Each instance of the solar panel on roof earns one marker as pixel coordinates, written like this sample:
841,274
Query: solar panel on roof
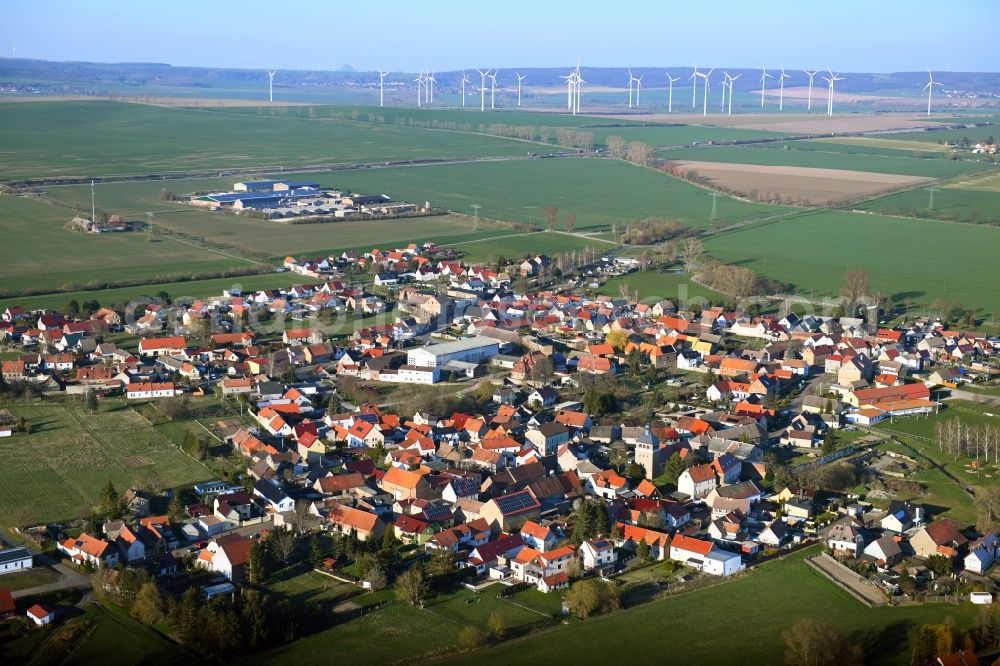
516,502
14,554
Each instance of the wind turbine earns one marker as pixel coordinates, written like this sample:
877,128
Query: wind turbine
694,89
519,79
631,80
725,85
704,110
381,78
930,89
13,50
270,84
809,105
493,87
731,79
569,90
578,86
482,88
638,87
670,95
430,86
781,88
763,78
465,80
420,87
829,96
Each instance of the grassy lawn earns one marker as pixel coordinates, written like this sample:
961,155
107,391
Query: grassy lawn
812,251
394,633
99,636
22,580
58,470
302,586
654,286
468,607
683,627
37,252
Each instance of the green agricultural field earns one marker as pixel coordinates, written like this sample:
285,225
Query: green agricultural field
518,245
973,134
268,237
908,260
684,627
57,471
75,138
601,192
37,252
986,183
961,201
189,289
815,154
893,144
654,286
473,120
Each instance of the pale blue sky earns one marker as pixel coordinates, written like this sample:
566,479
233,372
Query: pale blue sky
848,35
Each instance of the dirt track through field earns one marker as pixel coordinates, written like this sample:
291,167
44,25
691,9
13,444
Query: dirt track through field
802,184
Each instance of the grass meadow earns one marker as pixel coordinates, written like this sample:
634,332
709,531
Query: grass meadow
654,286
519,245
908,260
788,589
61,466
38,252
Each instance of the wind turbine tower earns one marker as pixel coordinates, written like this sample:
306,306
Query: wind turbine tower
670,95
381,78
694,88
482,89
431,81
704,109
638,87
781,88
829,96
493,87
631,80
725,86
465,80
520,78
764,76
93,205
731,79
809,104
930,89
420,88
270,84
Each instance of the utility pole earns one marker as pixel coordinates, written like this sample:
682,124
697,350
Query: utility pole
475,220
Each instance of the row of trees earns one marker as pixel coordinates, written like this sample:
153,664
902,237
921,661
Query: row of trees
970,441
636,152
652,230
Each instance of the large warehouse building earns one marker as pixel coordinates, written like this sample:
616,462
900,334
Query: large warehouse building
470,350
